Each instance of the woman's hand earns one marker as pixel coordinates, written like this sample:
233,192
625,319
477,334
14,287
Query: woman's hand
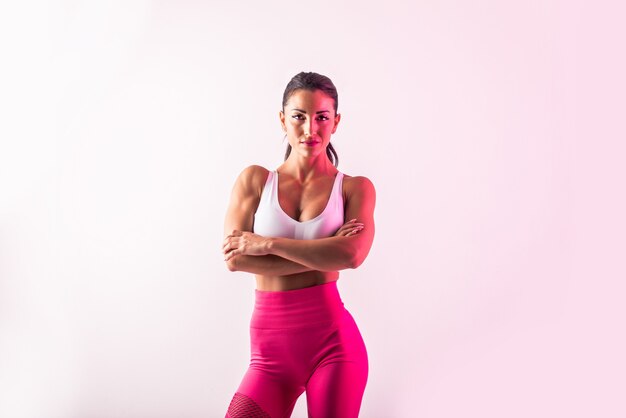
349,228
244,242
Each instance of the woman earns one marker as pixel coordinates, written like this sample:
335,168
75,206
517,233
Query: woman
289,228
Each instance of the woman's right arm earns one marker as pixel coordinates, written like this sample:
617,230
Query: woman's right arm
244,201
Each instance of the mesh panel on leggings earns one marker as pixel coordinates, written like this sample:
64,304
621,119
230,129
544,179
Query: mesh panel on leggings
243,407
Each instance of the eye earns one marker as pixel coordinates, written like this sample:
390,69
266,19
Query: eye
298,116
322,117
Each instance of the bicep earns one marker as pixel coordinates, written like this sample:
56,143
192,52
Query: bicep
360,206
242,205
238,217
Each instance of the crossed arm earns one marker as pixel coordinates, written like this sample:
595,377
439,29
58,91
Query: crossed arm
246,251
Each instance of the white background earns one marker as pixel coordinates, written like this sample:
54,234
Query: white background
493,132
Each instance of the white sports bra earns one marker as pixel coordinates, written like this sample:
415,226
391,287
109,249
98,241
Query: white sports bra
271,221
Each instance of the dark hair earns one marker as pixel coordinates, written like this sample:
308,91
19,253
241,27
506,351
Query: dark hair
312,82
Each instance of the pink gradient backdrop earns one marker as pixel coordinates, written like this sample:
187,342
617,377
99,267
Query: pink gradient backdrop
493,131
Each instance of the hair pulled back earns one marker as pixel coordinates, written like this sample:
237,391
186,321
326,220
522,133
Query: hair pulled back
313,81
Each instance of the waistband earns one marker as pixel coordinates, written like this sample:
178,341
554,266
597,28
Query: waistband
297,308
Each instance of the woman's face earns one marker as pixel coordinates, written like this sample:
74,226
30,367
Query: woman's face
309,120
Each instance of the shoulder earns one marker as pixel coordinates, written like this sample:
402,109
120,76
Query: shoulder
251,180
359,196
358,185
253,175
253,171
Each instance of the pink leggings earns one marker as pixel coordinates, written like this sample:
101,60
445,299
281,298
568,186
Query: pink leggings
302,340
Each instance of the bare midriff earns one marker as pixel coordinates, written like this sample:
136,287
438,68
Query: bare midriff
295,281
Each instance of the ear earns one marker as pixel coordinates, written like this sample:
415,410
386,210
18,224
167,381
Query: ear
337,119
281,115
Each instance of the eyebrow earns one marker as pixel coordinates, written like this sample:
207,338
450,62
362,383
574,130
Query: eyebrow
320,111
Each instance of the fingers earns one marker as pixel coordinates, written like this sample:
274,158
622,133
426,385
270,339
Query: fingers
352,223
349,228
230,255
354,231
236,243
230,243
229,247
235,233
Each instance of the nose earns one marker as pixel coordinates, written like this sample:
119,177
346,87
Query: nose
309,128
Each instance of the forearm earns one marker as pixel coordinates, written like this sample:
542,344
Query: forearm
266,265
323,254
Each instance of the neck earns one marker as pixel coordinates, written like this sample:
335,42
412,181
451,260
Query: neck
304,169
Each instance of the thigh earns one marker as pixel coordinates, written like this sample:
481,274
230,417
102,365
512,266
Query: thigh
336,387
262,396
275,378
336,390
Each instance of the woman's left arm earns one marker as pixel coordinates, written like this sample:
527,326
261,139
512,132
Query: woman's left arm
323,254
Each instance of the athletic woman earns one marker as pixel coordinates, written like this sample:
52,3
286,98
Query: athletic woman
294,228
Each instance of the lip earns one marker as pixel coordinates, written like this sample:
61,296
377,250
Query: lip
310,143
